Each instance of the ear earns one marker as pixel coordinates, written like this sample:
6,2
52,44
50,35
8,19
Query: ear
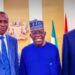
44,33
30,35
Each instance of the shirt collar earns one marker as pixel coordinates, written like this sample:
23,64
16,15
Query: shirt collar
3,35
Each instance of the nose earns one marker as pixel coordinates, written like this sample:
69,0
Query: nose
2,24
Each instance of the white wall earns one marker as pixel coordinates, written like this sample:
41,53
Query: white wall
69,9
1,5
35,9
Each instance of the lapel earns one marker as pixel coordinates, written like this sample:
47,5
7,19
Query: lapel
9,48
1,61
11,54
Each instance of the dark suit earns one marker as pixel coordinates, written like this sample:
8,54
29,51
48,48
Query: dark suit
12,56
68,54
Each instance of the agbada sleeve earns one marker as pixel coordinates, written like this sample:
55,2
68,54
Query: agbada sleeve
22,68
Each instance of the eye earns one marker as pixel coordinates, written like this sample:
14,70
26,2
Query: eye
34,33
0,21
41,32
5,21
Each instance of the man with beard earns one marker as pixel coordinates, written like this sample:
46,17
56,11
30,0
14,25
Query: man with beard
40,57
8,49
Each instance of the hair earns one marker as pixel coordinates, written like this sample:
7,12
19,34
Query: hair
3,13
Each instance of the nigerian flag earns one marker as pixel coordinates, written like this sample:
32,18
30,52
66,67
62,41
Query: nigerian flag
53,35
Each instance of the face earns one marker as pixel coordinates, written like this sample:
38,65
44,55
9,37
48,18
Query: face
38,37
3,23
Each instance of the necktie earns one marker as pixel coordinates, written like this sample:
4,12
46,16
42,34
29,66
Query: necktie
5,57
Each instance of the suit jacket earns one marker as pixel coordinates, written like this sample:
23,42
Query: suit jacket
12,56
68,54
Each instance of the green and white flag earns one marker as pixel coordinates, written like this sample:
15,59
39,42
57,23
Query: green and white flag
53,35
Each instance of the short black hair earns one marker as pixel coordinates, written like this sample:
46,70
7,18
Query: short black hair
3,13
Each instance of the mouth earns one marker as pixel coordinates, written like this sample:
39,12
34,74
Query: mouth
2,30
38,39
